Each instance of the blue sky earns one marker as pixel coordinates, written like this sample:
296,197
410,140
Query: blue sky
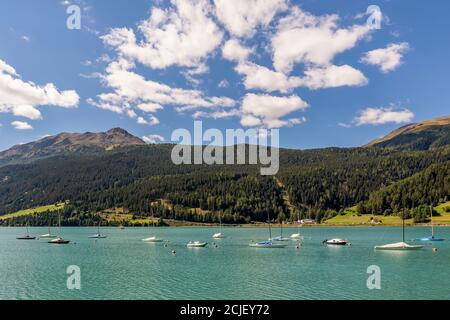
312,68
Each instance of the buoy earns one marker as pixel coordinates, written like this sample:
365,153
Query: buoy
435,249
174,252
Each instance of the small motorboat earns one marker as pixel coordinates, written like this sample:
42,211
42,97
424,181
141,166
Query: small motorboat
335,242
121,227
59,240
267,244
218,235
400,246
196,244
153,239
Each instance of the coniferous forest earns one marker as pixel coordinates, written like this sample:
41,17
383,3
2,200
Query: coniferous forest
142,180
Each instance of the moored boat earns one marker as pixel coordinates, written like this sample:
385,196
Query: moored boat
267,244
335,242
196,244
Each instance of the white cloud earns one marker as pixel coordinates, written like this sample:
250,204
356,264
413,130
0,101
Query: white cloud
234,51
262,78
333,76
242,18
182,35
304,38
133,91
23,98
270,109
220,114
149,107
378,116
387,59
153,138
21,125
344,125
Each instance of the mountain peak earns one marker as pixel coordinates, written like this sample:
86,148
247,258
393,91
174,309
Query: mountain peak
71,142
118,130
423,135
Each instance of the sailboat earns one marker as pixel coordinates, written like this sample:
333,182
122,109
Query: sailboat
98,235
219,235
48,235
432,238
153,239
280,237
59,239
400,246
27,236
269,243
297,236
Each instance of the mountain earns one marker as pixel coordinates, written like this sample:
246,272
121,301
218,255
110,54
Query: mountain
142,182
69,143
424,135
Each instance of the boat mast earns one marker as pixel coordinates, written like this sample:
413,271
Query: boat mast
270,229
432,226
403,219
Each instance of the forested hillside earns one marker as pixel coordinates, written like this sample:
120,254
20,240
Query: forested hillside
142,181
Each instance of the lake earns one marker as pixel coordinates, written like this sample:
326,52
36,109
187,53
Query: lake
124,267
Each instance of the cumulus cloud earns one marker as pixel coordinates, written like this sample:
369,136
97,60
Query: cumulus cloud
233,50
242,18
23,98
263,78
378,116
153,138
220,114
182,35
268,110
133,91
21,125
387,59
304,38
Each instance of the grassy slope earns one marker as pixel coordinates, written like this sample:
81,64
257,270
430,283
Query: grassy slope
38,210
351,218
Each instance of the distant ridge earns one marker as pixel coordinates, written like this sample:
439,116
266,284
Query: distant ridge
70,142
417,136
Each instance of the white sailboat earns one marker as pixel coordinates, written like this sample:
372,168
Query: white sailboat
98,235
59,239
48,235
297,236
153,239
219,235
399,246
268,244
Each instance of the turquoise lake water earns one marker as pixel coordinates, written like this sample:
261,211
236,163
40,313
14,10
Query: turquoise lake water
124,267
